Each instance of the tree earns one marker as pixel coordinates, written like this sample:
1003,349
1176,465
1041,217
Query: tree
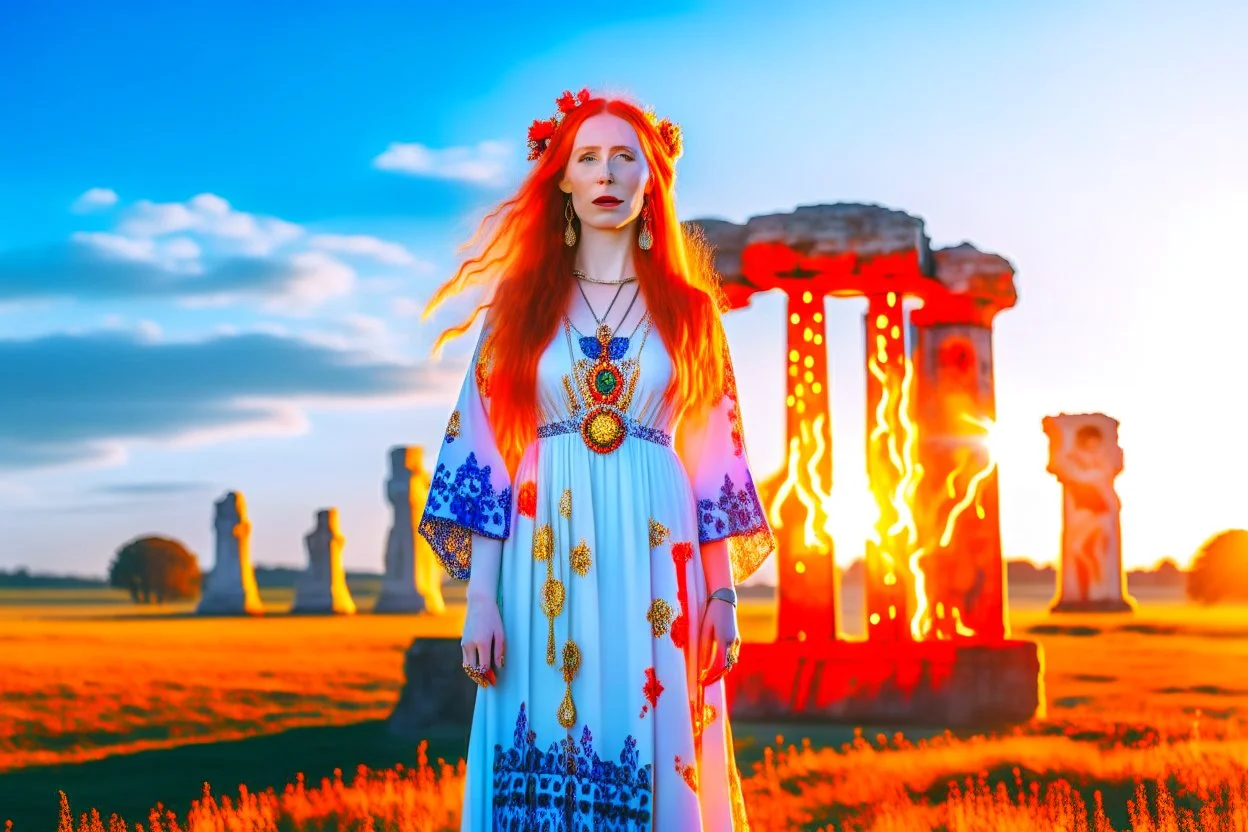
1220,569
155,569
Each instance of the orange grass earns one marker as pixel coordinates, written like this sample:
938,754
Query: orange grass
873,787
1145,718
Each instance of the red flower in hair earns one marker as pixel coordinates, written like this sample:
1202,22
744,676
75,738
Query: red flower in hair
540,132
569,102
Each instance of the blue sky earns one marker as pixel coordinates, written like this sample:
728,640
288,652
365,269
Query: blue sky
344,153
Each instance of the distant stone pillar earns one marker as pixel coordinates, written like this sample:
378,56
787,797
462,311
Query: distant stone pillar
230,588
963,572
1085,457
322,588
413,576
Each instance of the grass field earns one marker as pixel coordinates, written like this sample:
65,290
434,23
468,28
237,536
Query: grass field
122,707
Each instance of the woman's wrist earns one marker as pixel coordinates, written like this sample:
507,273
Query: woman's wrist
727,594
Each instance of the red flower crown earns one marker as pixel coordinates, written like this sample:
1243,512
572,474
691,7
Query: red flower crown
541,131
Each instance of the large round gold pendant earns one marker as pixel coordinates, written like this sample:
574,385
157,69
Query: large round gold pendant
603,430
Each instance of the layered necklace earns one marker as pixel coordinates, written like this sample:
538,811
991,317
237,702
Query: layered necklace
580,275
605,384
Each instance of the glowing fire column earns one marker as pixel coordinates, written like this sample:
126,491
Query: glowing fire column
890,438
963,581
798,512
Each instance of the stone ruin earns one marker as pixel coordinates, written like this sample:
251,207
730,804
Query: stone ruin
938,648
1085,457
413,576
322,588
230,588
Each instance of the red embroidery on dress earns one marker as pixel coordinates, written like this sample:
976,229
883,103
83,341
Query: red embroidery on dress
527,498
682,552
652,688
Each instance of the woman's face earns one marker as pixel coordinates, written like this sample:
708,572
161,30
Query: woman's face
606,173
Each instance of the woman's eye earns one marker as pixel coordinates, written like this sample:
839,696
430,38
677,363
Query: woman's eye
627,156
586,158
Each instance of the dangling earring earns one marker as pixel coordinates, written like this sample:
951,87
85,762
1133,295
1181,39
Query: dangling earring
645,239
569,233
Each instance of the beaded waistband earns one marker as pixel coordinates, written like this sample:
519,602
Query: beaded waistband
632,427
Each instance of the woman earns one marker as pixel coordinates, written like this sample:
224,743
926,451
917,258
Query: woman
593,490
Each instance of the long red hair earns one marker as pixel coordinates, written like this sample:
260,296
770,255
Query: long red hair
520,251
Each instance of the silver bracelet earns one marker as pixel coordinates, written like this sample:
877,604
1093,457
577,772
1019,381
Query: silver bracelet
727,594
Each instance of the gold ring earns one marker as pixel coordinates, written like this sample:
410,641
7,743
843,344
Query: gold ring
732,656
476,673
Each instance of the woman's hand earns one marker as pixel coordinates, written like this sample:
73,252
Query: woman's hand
719,636
483,644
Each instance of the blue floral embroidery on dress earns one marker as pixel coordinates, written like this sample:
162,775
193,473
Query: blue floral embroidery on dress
460,506
469,499
735,512
568,788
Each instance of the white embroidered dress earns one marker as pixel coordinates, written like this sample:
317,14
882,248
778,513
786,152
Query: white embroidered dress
598,722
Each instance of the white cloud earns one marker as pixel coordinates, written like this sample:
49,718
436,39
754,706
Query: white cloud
212,217
364,245
117,246
317,278
483,164
366,325
95,199
148,331
406,307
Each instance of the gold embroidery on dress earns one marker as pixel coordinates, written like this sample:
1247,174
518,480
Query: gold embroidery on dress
565,504
543,543
553,592
660,617
747,551
566,713
689,772
581,558
485,365
553,596
452,427
701,721
658,533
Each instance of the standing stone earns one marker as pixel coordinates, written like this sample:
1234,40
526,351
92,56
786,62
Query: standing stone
322,588
230,588
413,576
1085,457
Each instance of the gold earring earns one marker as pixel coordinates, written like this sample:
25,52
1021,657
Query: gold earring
645,239
569,233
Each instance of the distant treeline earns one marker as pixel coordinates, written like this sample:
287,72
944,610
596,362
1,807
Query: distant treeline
284,577
267,577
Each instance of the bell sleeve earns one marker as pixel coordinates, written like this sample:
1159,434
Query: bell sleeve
711,443
470,492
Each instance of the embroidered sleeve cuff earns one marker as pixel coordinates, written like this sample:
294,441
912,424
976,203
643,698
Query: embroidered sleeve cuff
460,504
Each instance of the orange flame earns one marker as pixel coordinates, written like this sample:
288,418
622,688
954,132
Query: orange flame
815,499
894,436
